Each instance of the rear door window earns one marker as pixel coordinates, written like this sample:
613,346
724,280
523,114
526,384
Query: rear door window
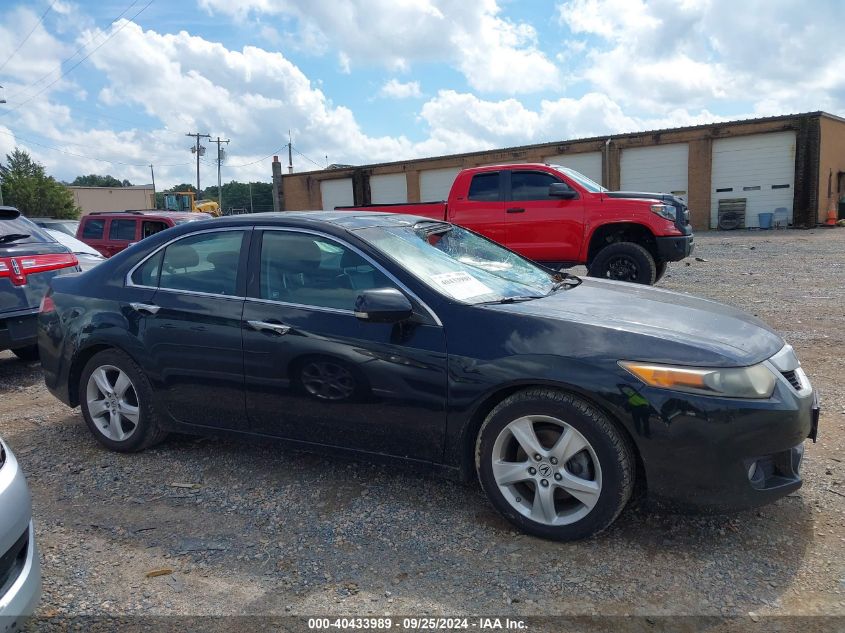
122,230
151,227
206,263
484,187
93,229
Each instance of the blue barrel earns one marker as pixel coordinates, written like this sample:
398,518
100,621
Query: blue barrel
765,220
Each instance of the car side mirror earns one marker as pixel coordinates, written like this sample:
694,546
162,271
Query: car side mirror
383,305
562,190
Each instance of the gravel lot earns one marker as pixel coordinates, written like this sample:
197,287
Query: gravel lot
251,529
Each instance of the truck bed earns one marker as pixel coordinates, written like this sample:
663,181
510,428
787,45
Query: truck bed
433,210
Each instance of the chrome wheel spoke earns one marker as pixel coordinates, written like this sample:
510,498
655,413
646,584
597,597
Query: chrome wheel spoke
543,509
586,491
523,432
569,444
102,381
115,427
121,384
128,411
507,473
97,408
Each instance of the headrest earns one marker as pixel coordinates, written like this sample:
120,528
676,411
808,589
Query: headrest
293,252
182,256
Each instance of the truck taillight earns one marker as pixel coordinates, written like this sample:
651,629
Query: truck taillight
17,268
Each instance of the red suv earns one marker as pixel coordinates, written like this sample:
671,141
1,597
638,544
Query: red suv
112,231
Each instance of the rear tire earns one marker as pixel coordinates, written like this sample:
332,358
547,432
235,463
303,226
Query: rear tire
625,261
27,354
117,403
554,465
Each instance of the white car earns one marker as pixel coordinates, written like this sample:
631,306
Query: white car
88,256
20,568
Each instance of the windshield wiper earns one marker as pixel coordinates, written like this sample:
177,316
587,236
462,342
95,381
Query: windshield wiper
517,299
11,237
565,281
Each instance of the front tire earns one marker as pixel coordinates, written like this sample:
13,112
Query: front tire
661,270
554,465
625,261
117,403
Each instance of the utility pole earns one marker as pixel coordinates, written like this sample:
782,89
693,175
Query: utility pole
221,153
199,150
290,154
153,176
251,210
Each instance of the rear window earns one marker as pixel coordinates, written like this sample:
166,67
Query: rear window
22,226
484,187
93,229
123,230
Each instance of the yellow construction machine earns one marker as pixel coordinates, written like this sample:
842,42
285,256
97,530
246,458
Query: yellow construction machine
186,201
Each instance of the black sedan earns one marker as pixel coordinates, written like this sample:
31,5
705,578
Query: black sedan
417,340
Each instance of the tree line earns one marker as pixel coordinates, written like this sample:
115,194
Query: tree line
25,184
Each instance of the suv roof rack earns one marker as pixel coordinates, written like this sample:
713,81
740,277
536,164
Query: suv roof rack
127,211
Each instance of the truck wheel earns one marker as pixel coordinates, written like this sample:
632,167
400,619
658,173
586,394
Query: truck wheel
554,465
625,261
661,270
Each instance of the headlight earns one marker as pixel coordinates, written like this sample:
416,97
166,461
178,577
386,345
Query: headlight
664,211
756,381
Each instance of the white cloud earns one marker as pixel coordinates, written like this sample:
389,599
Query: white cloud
396,89
493,53
663,54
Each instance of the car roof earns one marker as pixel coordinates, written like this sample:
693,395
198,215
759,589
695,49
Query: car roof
349,220
176,215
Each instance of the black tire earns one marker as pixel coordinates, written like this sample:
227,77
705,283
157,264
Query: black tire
625,261
610,446
148,431
27,354
661,270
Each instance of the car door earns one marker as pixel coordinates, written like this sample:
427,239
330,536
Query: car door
483,209
193,331
121,233
315,373
540,227
92,232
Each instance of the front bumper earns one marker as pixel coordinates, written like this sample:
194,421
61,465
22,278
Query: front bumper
721,455
18,329
674,248
20,568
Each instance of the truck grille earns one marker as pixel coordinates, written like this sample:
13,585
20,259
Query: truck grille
13,561
793,379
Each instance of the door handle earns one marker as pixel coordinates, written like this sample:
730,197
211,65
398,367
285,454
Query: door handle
516,210
276,328
145,307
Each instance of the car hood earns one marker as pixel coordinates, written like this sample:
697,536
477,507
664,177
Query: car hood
636,322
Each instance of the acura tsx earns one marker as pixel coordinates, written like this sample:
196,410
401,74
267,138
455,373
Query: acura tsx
417,340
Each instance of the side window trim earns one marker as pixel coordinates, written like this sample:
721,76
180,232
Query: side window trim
253,274
241,277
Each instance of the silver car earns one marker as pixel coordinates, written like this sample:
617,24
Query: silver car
20,568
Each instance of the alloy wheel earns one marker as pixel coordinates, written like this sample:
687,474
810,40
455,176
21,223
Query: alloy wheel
622,268
113,403
546,470
327,380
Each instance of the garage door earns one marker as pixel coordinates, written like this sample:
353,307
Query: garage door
759,169
388,188
337,193
436,183
659,169
588,163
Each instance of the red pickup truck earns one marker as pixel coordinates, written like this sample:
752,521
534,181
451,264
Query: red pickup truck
559,217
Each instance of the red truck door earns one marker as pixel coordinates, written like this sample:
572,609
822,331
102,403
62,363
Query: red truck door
540,227
482,208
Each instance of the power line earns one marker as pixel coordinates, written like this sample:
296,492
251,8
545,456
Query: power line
72,55
199,150
28,35
305,157
276,153
69,70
